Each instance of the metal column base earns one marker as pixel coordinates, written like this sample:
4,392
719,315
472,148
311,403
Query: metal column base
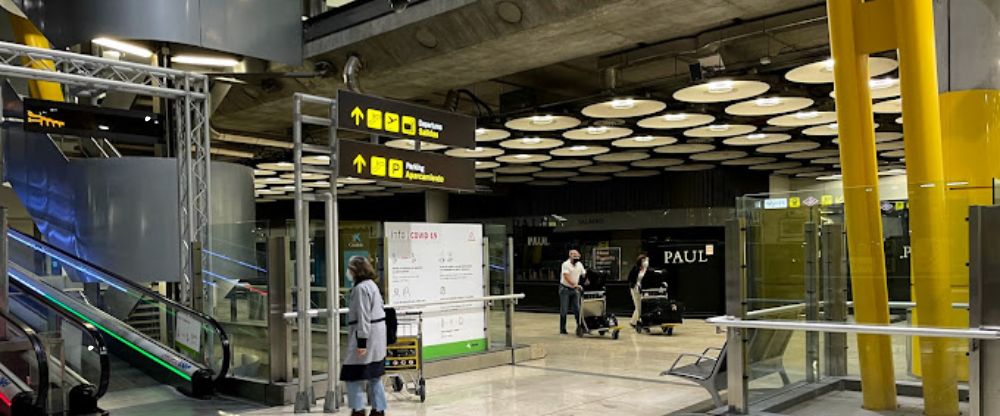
332,402
303,401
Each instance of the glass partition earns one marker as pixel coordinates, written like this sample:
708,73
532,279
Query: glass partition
798,269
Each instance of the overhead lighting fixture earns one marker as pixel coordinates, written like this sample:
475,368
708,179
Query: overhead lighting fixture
214,62
103,127
827,65
720,87
597,130
832,126
578,148
522,156
881,84
124,47
829,178
756,136
767,102
719,127
622,103
478,150
480,131
806,115
644,138
542,120
531,140
675,117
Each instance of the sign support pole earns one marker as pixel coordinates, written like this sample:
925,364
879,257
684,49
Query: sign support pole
332,402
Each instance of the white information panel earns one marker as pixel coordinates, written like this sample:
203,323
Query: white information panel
188,331
430,262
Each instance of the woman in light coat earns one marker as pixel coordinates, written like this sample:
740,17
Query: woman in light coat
635,286
366,343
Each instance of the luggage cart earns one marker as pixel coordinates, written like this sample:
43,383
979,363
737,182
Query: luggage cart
594,316
404,361
658,310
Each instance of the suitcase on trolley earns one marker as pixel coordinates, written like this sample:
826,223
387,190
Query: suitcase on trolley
659,311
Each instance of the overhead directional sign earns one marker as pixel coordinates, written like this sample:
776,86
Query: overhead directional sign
369,161
88,121
384,117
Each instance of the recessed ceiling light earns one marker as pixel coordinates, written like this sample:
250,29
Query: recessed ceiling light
719,127
124,47
597,129
103,127
622,103
881,84
542,120
205,61
828,178
832,126
827,65
531,140
675,117
523,156
644,138
720,87
806,115
767,102
480,131
478,149
756,136
578,148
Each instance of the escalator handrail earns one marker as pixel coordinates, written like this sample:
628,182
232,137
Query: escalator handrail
223,336
42,395
95,334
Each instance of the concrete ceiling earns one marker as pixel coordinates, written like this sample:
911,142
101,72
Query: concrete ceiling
555,49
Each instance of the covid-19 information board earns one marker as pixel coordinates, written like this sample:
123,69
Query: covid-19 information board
427,262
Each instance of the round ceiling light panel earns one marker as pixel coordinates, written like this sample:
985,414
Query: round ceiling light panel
638,142
555,174
822,72
407,144
796,171
531,143
597,133
306,176
826,161
657,163
899,120
567,164
486,164
518,169
320,160
475,153
547,183
690,168
273,181
718,156
813,154
757,139
491,135
623,108
720,130
545,122
621,157
579,151
676,121
484,175
277,166
522,158
347,180
804,118
776,166
685,148
750,161
880,137
601,169
317,184
513,179
824,130
888,106
881,147
880,88
894,154
721,91
367,188
788,147
637,173
262,172
768,106
590,178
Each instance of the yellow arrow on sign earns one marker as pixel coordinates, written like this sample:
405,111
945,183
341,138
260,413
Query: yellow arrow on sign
357,115
360,163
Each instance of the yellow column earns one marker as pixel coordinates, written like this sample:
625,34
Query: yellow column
928,209
26,34
861,204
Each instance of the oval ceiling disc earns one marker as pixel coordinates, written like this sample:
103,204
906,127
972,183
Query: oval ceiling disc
531,143
524,158
590,178
478,152
720,130
491,135
822,72
638,142
543,122
597,133
579,151
637,173
721,91
621,157
676,121
719,155
657,163
567,163
685,148
804,118
750,161
757,139
768,106
788,147
623,108
690,168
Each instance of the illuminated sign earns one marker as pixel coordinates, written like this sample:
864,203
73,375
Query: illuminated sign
384,117
369,161
88,121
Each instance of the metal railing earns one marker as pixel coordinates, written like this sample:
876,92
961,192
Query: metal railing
325,312
987,333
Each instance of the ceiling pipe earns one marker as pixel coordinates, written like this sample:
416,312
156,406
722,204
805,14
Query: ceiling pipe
352,70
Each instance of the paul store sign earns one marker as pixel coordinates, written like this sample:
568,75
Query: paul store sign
688,256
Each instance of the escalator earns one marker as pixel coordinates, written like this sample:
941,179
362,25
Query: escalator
24,368
153,340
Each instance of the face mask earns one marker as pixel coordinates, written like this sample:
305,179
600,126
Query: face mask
574,261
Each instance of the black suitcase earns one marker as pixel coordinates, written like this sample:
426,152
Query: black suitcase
658,311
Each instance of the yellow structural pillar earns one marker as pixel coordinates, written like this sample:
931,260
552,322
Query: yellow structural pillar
928,208
861,203
27,34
